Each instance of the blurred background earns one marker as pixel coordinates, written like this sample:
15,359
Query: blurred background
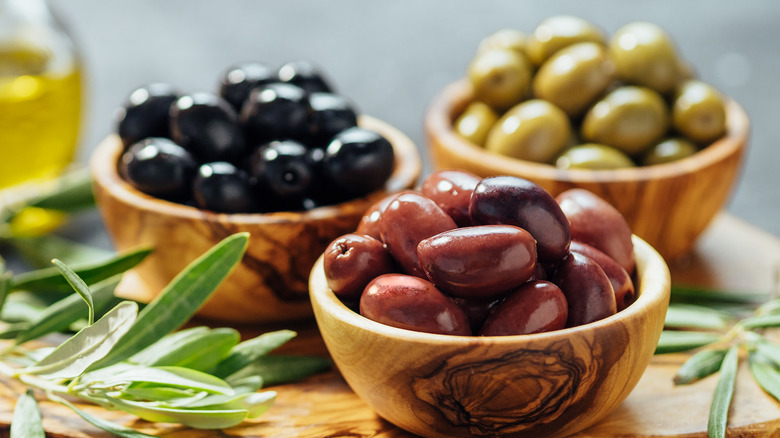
392,58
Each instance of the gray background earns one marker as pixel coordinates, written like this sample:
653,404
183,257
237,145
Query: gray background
393,57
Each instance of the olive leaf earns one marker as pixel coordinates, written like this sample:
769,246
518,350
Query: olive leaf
276,370
124,432
694,316
761,321
177,377
248,351
765,373
26,422
39,250
724,391
72,193
707,296
149,355
676,341
700,365
256,404
198,418
200,352
768,350
79,286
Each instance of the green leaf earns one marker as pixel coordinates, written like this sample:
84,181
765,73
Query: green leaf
769,350
770,307
761,321
201,352
63,313
148,355
72,193
197,418
52,278
160,393
166,376
10,331
180,298
116,429
706,296
248,351
26,422
699,366
4,283
676,341
275,370
256,404
77,353
39,250
724,391
765,373
79,286
694,316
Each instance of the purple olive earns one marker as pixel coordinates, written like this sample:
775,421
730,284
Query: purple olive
478,262
476,310
587,289
369,223
507,200
352,261
451,190
412,303
618,277
535,307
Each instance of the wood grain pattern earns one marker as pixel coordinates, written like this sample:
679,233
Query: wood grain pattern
271,282
667,205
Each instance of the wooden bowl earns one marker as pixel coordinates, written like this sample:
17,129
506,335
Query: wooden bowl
270,284
549,384
668,205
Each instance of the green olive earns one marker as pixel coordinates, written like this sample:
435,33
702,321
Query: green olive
511,39
629,118
669,150
500,77
574,77
534,130
475,122
645,55
559,31
593,156
699,112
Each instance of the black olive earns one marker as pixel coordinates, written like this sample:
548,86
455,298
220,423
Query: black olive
159,167
238,80
145,113
207,126
331,114
223,188
283,172
305,75
276,112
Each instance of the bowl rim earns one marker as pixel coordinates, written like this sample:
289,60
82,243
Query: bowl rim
454,97
654,291
407,169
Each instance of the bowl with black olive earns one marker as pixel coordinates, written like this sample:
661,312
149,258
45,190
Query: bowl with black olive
275,152
497,310
623,116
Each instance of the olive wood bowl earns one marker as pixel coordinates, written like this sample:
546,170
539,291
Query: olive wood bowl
668,205
270,284
548,384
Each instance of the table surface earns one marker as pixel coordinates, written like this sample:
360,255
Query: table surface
730,255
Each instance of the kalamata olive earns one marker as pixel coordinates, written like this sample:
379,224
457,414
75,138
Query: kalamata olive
451,191
535,307
478,262
587,289
618,277
507,200
595,222
476,310
539,273
369,223
352,261
408,219
412,303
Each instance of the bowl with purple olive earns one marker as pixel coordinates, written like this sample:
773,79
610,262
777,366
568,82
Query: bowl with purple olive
487,307
274,152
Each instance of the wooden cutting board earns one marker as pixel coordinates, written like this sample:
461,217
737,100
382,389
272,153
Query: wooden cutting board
730,255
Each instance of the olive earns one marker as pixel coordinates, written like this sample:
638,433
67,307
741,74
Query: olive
451,191
412,303
557,32
535,307
699,112
207,126
511,39
352,261
595,222
618,277
478,262
369,223
283,173
476,310
475,122
588,292
645,55
500,77
629,118
358,161
331,114
574,77
407,220
276,111
223,188
238,80
539,273
593,156
305,75
508,200
534,130
145,113
159,167
669,150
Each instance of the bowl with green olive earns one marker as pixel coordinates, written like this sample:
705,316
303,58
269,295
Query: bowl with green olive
622,116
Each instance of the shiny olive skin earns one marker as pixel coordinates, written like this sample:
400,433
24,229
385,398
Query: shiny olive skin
478,262
407,220
500,77
276,111
412,303
645,55
223,188
593,156
358,161
283,173
557,32
535,307
207,126
508,200
238,80
574,77
597,223
451,191
669,150
476,310
629,118
535,130
146,113
331,114
369,223
587,289
159,167
352,261
305,75
618,277
511,39
475,122
699,112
